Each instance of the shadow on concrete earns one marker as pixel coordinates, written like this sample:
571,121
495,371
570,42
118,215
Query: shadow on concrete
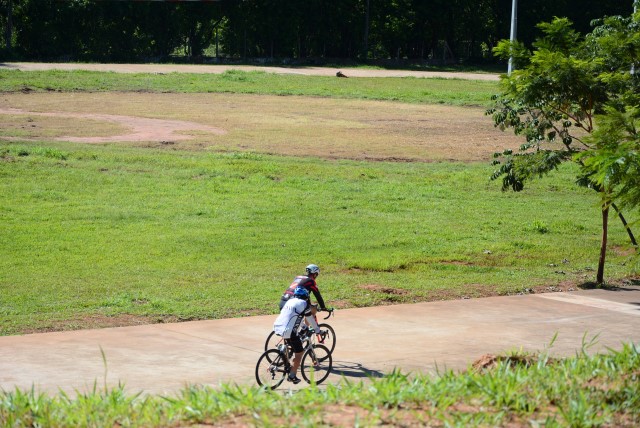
354,370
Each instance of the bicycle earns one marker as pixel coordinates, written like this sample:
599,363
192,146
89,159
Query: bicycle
275,364
329,340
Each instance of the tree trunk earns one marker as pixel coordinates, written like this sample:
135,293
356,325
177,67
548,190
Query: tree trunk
598,189
603,244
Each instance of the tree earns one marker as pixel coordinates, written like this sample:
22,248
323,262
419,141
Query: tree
565,99
143,30
614,162
6,22
195,22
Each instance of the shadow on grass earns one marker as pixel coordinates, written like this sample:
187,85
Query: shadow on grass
354,370
629,282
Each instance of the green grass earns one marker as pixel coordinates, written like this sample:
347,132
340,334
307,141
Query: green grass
113,231
406,89
521,390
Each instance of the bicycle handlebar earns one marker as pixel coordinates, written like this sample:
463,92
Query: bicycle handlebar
330,313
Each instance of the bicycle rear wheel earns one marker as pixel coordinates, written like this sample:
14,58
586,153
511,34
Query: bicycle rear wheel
316,364
330,340
272,342
271,369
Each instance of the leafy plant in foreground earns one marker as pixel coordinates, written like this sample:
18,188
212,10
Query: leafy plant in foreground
522,389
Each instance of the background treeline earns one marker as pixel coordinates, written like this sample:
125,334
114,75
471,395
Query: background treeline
415,31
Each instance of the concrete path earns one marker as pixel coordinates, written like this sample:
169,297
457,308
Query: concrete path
162,358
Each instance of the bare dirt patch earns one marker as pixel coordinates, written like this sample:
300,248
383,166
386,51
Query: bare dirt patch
382,295
391,296
137,128
291,126
623,251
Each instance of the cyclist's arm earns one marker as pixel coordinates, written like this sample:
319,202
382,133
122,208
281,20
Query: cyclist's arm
319,299
310,318
313,323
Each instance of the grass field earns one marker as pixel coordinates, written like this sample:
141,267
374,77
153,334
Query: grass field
147,231
406,89
94,234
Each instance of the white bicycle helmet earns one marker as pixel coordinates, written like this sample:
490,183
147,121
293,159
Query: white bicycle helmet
312,269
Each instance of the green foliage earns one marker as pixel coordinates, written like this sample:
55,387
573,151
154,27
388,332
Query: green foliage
520,167
613,163
122,31
555,98
507,49
530,389
559,36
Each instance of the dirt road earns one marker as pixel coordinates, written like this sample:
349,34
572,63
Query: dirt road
189,68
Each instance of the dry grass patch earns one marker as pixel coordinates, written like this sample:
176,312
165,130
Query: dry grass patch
292,125
95,321
37,126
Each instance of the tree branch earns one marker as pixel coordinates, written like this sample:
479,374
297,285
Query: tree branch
626,226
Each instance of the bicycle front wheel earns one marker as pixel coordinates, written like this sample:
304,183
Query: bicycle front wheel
316,364
271,369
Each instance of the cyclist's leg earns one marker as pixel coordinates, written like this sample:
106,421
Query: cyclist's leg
296,344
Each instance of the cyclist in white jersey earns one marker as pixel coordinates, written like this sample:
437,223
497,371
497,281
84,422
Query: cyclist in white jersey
289,323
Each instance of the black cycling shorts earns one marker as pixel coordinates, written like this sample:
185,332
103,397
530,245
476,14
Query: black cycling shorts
296,343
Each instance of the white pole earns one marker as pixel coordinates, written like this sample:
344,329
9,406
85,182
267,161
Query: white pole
514,25
635,9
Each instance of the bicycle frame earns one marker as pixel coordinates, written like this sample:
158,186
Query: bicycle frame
272,343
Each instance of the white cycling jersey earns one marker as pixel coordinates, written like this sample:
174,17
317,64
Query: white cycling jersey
290,318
